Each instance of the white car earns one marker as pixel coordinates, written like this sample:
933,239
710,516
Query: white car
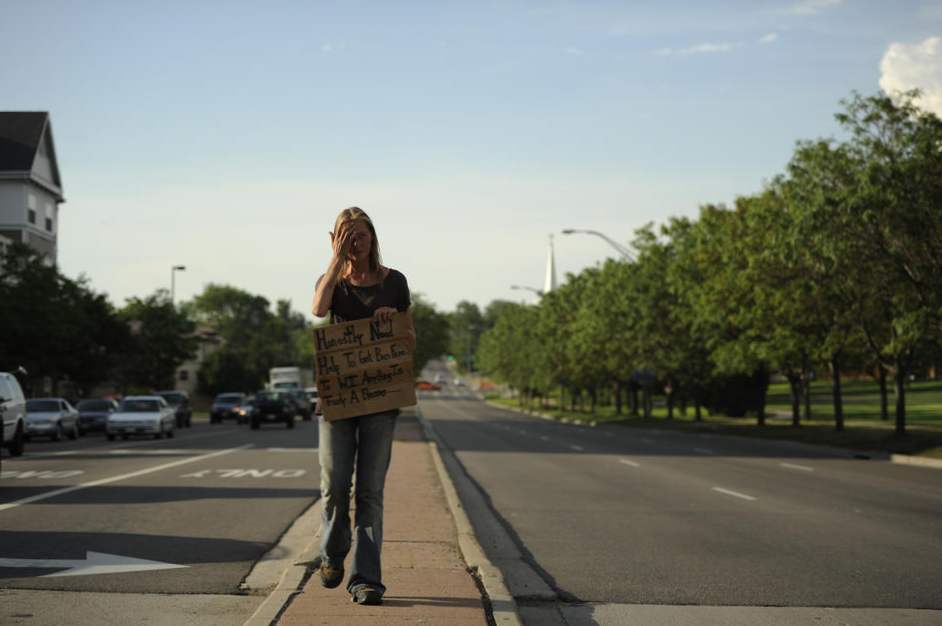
51,417
12,414
141,415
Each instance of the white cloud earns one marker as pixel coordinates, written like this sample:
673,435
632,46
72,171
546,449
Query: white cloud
768,38
911,66
703,48
811,7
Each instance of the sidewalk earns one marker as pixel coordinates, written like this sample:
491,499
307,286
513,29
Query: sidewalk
426,580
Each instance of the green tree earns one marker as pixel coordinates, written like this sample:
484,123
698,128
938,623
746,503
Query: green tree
431,331
465,325
161,339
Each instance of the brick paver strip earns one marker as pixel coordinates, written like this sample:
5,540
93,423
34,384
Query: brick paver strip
426,580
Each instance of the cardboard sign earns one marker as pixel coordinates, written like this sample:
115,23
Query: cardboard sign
363,367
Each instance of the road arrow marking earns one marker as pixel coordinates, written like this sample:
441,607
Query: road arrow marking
93,563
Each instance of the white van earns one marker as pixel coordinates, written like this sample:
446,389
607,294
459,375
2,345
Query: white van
12,413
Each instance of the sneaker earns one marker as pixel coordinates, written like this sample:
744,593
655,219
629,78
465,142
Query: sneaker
367,595
330,576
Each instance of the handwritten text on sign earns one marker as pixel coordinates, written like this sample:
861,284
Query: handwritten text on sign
364,367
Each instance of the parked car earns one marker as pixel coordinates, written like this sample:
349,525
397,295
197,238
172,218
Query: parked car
181,406
51,417
93,414
248,410
12,414
227,406
424,385
142,415
311,394
273,406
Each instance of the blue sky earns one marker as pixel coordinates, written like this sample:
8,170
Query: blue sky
226,136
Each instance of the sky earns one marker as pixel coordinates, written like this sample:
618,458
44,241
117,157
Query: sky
226,136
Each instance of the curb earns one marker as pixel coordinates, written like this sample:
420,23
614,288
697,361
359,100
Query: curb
503,605
545,416
277,573
908,459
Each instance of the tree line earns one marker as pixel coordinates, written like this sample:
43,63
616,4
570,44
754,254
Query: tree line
60,335
835,265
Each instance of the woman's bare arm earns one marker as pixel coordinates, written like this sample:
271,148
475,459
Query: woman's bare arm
324,289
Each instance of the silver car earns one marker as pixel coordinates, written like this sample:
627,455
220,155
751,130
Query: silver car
51,417
141,415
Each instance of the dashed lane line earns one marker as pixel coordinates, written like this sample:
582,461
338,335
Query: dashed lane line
803,468
629,462
114,479
735,494
576,448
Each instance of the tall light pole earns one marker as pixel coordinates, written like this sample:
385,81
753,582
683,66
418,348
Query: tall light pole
173,280
622,250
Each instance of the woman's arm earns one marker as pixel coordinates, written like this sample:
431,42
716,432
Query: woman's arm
324,289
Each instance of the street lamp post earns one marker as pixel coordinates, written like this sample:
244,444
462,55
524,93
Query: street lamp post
622,250
173,281
524,288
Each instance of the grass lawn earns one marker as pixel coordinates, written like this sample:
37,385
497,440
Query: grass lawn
864,430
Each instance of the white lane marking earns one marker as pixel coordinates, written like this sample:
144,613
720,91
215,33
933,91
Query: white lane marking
522,432
45,474
576,448
93,563
114,479
150,452
306,450
704,451
735,494
803,468
107,446
544,438
627,462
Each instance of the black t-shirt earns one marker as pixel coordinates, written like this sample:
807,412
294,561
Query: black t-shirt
351,302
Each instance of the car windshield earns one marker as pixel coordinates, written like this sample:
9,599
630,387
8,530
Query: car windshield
140,406
172,398
37,406
94,405
228,398
267,395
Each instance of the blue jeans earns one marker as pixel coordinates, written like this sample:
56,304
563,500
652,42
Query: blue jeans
366,443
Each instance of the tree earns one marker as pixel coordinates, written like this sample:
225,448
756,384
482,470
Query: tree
161,339
465,326
431,331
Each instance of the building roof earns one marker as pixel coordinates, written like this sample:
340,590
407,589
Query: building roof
20,134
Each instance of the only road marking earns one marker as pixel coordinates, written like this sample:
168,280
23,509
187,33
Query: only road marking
735,494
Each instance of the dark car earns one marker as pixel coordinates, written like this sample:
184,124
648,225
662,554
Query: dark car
93,414
227,406
181,406
305,411
273,406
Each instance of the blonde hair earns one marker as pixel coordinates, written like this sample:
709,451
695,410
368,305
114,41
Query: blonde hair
356,214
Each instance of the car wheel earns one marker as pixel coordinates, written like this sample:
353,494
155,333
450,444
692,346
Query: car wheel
124,437
255,424
110,437
170,434
27,438
18,444
291,423
58,434
74,434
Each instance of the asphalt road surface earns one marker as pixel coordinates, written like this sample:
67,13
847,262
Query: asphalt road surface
623,515
199,510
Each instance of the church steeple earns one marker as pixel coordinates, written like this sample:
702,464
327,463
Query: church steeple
549,284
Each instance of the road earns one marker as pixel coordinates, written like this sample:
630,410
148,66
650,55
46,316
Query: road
624,516
204,507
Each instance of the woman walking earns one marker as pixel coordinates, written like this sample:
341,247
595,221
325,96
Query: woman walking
356,286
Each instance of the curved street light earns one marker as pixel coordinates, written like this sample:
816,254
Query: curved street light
173,281
524,288
622,250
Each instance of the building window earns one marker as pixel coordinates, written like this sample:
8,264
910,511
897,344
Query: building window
31,216
49,224
184,375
